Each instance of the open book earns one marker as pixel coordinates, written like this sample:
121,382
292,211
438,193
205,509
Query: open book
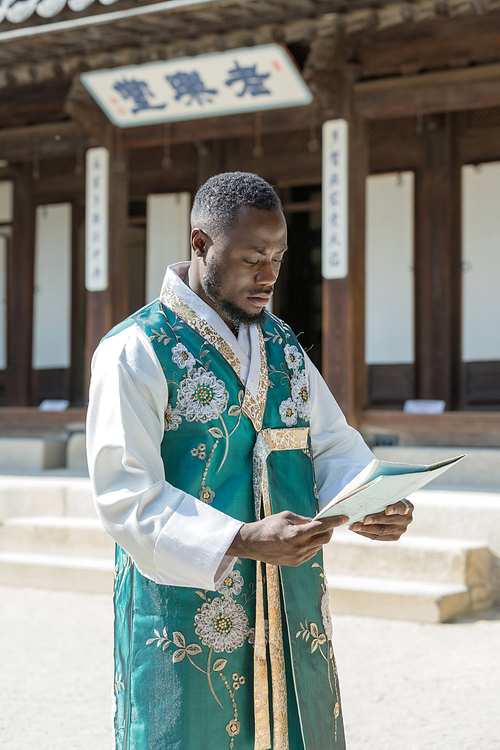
380,484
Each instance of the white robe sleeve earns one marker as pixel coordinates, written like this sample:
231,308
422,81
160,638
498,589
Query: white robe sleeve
172,537
339,451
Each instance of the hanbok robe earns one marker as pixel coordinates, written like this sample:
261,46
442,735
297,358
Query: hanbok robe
251,665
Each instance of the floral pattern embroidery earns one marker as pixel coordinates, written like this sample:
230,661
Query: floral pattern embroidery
237,681
172,419
293,357
182,357
320,640
231,585
288,412
206,495
202,396
200,451
325,614
300,394
222,624
299,404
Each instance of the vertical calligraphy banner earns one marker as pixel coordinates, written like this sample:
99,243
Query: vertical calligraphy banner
335,231
96,219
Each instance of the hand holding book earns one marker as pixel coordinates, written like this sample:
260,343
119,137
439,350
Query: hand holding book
380,484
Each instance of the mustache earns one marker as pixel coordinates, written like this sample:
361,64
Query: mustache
258,292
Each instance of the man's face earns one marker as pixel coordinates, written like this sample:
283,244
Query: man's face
241,267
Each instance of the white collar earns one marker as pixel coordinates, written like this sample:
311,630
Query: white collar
245,346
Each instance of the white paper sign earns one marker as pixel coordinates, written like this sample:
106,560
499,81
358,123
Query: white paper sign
335,237
424,406
220,83
96,219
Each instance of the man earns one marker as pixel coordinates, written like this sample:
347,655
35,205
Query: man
212,441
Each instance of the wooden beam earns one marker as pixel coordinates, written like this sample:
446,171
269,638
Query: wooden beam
446,91
53,140
214,128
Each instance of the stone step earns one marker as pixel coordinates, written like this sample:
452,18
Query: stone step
417,558
60,572
32,453
56,535
480,470
474,516
76,453
52,496
405,600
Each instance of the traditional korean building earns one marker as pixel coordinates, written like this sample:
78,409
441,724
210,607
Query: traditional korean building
416,314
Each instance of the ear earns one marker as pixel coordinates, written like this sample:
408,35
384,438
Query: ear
199,243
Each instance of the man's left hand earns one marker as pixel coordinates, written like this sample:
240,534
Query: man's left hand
387,526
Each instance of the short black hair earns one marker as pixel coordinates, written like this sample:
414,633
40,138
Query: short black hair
218,200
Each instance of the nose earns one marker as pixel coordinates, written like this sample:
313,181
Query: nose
266,273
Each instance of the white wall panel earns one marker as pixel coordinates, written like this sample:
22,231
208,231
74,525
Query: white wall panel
481,262
167,239
3,302
52,296
389,269
6,199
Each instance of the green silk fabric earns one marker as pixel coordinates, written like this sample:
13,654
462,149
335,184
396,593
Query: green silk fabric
184,657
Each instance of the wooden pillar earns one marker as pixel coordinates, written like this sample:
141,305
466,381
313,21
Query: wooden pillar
20,292
332,80
344,367
437,251
106,308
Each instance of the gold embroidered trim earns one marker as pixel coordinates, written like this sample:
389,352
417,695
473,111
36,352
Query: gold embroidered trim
286,439
254,408
188,315
260,690
269,440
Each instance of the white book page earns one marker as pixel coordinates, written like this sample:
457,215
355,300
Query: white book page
375,496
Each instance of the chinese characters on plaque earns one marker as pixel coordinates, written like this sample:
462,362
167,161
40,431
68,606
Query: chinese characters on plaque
96,219
334,253
221,83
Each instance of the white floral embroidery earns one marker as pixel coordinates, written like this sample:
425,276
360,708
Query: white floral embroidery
300,394
288,412
232,584
172,418
202,396
325,614
293,357
222,624
182,357
200,452
206,495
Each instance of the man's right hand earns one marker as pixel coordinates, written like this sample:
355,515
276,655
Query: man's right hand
284,538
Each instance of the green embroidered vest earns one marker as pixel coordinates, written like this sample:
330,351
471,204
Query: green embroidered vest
184,658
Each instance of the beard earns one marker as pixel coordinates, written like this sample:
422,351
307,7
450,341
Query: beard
212,284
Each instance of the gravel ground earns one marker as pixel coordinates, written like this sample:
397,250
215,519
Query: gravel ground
405,686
